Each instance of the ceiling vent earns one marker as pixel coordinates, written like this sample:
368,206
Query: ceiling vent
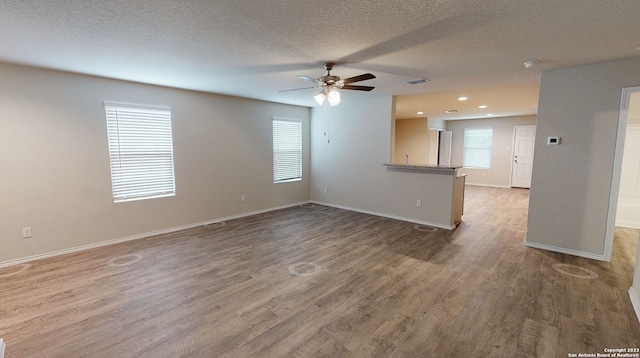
417,81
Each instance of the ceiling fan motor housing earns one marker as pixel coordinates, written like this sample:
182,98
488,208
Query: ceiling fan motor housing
329,79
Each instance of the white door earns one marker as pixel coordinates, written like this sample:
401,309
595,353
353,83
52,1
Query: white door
523,144
444,156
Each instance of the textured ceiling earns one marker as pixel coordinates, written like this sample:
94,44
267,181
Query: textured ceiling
256,48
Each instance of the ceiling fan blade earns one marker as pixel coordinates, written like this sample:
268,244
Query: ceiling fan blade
357,88
297,89
309,79
363,77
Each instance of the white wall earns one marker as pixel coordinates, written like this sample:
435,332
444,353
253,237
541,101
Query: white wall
571,182
55,165
628,211
502,152
349,163
436,123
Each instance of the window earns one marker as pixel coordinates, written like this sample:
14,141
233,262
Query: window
140,152
287,150
477,148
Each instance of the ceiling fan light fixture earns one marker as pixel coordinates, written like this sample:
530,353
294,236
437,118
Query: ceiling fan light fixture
331,84
320,97
334,98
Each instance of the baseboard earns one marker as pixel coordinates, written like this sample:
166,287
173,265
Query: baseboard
395,217
138,236
635,301
565,251
628,224
488,185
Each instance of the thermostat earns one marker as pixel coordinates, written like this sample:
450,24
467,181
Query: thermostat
553,140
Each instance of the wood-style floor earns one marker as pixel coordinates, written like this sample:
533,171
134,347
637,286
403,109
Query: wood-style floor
366,286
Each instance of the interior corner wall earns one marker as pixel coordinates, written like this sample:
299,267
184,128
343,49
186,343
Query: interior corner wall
55,161
499,174
571,182
433,123
350,144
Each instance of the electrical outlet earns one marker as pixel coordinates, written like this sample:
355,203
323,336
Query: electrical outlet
243,198
26,232
418,202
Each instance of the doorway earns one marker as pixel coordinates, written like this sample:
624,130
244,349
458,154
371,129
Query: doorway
628,94
444,154
523,144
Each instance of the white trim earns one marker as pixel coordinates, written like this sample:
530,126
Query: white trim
617,170
635,301
2,347
628,224
513,150
566,251
139,236
488,185
395,217
137,106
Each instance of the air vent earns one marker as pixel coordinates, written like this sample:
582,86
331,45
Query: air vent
417,81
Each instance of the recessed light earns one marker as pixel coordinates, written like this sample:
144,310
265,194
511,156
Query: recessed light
462,98
482,106
530,64
489,114
420,113
451,111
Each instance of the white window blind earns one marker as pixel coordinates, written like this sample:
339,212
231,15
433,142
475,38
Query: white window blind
287,150
477,148
140,152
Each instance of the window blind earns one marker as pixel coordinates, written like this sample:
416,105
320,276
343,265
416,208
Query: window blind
287,150
140,152
478,144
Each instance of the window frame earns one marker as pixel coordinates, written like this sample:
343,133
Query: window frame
466,148
275,144
142,166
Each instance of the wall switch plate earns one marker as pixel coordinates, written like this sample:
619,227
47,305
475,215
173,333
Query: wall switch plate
325,190
243,198
418,203
26,232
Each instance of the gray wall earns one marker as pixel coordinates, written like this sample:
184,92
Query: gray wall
349,163
571,182
55,165
502,152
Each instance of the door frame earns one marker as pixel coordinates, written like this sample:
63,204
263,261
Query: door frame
617,170
513,151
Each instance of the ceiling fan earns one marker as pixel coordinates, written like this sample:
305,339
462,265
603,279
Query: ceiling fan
331,84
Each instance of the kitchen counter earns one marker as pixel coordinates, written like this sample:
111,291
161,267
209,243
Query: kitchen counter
451,188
